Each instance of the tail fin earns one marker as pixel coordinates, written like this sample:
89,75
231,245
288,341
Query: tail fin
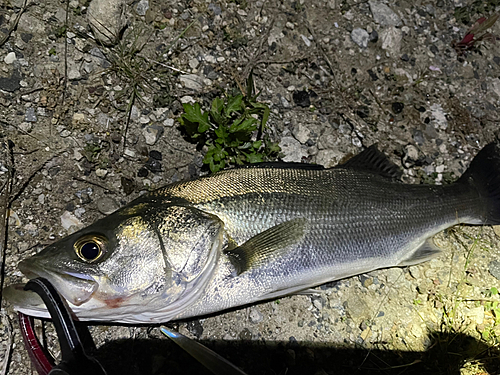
484,175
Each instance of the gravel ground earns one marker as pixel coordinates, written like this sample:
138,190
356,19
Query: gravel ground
89,97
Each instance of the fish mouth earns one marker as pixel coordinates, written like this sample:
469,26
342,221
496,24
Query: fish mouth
77,288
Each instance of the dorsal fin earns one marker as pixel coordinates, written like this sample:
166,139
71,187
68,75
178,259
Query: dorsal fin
284,165
374,161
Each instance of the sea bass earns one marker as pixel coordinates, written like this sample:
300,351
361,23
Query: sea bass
256,233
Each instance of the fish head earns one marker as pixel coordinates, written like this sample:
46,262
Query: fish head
144,263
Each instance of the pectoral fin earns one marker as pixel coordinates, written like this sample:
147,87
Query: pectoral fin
268,245
425,252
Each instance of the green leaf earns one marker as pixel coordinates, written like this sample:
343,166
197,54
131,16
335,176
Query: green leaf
195,115
254,158
250,84
243,126
257,144
222,133
265,117
216,110
245,145
234,104
273,148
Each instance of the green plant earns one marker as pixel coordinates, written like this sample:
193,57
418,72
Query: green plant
91,152
233,130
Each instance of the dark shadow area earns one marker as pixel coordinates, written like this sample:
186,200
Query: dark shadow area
447,353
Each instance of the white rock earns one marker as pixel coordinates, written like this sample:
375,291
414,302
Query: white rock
301,133
391,40
10,58
41,198
210,59
193,63
69,220
142,7
255,315
152,134
74,73
187,99
101,172
106,19
439,116
328,158
130,153
292,149
169,122
77,155
306,40
26,126
360,37
192,81
383,15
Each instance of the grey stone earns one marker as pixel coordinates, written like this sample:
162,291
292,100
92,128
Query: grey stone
383,15
285,103
107,19
357,308
30,115
494,268
152,134
11,83
301,133
10,58
101,173
74,73
215,8
328,158
255,315
360,37
292,149
107,205
142,7
68,220
192,81
193,63
391,40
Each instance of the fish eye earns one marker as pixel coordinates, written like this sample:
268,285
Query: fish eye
90,248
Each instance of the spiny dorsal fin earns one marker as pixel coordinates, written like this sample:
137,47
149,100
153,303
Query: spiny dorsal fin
284,165
373,160
267,246
423,253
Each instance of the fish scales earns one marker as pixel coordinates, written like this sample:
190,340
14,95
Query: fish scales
352,217
250,234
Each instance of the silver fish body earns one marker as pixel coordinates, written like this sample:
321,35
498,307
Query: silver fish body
250,234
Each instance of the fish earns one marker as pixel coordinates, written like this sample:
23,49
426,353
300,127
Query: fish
255,233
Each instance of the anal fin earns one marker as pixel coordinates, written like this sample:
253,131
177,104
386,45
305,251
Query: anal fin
423,253
267,246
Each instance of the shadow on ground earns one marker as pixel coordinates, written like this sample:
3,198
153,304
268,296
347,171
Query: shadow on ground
446,355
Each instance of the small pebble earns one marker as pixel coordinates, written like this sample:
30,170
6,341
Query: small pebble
30,115
155,155
255,315
107,205
153,165
101,173
397,107
143,172
10,58
494,268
